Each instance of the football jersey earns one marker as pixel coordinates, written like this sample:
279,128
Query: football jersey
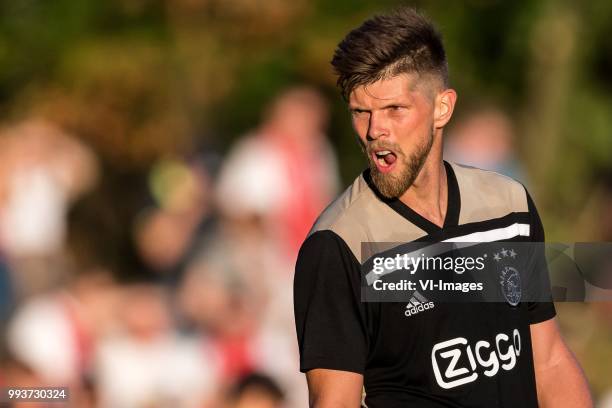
418,353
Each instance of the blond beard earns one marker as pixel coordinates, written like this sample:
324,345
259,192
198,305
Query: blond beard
395,185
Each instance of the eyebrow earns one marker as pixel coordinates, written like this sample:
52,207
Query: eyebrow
389,105
398,104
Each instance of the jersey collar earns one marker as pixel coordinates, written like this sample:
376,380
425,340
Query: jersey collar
452,209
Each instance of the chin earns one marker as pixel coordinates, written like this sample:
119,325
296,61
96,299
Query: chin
392,184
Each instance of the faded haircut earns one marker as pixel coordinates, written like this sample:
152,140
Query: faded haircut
403,41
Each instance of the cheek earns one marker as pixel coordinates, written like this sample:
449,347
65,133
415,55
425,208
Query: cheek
412,132
416,126
361,127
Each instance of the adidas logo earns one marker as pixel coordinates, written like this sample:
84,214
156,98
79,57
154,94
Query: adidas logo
417,304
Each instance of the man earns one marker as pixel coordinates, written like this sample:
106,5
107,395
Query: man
393,72
284,173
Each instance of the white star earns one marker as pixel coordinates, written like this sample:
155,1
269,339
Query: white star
496,257
512,253
504,252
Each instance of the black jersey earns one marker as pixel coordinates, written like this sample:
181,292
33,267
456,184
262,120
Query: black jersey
421,354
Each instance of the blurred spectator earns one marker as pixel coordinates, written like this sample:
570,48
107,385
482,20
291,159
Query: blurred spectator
255,391
484,138
146,363
285,172
170,233
15,373
237,294
225,294
42,171
274,183
54,334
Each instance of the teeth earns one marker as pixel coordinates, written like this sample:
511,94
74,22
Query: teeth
383,153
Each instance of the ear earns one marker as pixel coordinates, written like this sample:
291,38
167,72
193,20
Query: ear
444,105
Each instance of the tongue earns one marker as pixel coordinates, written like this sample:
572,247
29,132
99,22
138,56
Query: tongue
389,158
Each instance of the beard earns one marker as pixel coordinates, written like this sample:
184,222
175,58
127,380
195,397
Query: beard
392,185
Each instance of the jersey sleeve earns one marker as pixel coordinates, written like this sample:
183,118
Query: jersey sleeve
329,316
543,309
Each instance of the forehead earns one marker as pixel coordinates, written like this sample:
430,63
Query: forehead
404,88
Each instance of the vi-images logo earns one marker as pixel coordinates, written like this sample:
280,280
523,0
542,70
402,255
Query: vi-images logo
418,303
451,367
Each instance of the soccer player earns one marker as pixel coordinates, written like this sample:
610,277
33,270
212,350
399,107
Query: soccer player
393,72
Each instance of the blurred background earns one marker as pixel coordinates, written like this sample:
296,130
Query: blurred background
162,160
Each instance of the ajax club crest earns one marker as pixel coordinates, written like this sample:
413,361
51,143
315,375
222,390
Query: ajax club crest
509,277
510,281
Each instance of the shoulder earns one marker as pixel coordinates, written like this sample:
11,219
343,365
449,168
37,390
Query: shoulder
486,194
340,220
344,208
359,216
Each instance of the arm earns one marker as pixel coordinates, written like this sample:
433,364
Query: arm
330,321
560,381
334,388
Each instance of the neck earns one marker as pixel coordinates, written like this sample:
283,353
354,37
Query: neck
428,195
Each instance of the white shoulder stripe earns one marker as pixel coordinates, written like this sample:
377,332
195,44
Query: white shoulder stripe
498,234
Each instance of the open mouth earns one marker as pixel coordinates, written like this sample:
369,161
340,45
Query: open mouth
384,159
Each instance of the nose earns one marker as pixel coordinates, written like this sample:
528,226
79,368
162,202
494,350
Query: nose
377,126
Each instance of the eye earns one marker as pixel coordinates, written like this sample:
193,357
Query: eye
358,112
